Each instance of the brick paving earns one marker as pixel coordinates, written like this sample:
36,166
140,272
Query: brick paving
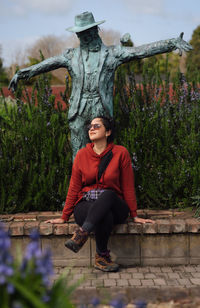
162,284
159,277
144,244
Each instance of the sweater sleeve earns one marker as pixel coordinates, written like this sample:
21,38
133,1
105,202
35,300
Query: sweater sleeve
75,186
127,183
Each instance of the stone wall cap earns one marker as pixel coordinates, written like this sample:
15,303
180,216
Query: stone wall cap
165,222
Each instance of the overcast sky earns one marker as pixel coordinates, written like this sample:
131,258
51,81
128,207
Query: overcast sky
24,21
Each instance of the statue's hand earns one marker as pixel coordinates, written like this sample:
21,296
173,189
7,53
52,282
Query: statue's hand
13,83
125,38
181,45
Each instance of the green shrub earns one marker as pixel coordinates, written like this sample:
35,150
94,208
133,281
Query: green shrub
161,131
158,126
35,153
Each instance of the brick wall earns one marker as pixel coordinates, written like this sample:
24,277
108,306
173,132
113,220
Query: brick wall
173,239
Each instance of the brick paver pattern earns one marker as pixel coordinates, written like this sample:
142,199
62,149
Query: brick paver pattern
137,277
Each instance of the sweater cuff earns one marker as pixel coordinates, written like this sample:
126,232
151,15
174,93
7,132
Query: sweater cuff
65,217
134,214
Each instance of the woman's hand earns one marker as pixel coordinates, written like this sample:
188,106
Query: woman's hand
55,221
143,221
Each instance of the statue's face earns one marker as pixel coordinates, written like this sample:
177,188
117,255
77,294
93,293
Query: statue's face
87,36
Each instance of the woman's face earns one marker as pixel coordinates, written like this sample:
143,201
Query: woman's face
97,130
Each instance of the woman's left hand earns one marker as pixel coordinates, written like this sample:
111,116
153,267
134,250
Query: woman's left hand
143,221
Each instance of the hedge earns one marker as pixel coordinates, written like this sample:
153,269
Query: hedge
156,121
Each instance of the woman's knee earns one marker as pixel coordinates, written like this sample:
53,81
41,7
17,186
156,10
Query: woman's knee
81,211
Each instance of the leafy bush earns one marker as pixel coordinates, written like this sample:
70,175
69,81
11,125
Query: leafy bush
35,153
156,121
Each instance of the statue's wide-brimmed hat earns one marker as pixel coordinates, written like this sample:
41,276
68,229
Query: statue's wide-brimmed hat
83,22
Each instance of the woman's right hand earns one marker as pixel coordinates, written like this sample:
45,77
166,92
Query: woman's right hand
55,221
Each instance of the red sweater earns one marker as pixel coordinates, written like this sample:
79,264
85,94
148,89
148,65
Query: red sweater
118,177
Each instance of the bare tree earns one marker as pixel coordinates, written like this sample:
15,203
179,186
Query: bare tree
19,59
52,45
110,37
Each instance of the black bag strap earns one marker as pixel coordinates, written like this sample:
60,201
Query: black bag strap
104,163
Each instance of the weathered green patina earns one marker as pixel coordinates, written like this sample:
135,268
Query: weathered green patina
92,66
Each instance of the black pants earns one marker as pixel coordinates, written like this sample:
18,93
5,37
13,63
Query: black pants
100,216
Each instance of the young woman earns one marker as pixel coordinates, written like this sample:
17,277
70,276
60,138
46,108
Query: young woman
101,192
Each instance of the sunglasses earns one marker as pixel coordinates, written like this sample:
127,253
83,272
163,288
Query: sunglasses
94,126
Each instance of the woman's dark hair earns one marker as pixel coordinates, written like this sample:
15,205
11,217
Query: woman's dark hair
109,125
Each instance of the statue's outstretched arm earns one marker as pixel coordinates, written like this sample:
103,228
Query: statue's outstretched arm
42,67
155,48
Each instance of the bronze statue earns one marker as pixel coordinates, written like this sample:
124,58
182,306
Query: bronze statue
92,66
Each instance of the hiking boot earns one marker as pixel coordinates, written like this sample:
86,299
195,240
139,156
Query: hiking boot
77,241
104,263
